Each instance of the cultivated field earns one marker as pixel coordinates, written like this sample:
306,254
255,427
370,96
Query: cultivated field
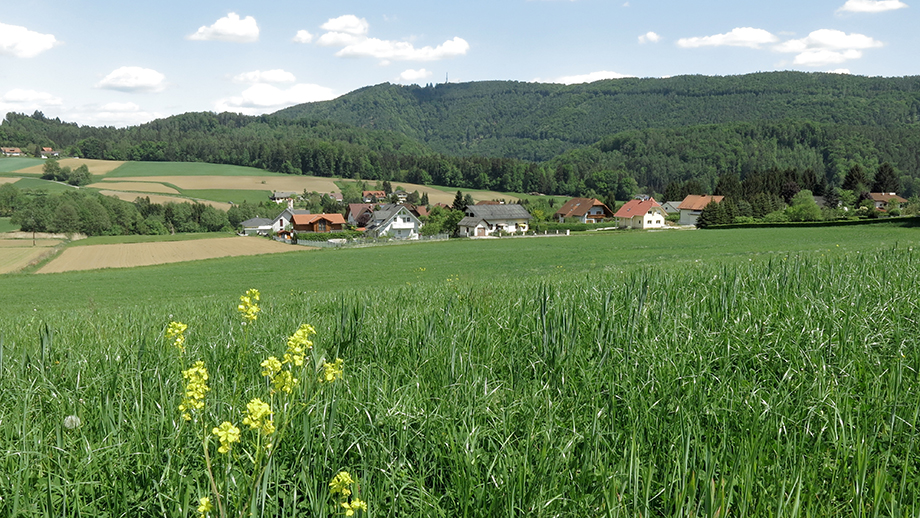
768,372
161,198
137,186
96,167
144,254
16,254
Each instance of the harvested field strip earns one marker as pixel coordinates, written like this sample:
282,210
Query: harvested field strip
96,167
258,183
146,254
134,186
16,254
162,198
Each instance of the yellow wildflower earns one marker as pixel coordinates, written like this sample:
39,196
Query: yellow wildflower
340,484
259,416
175,332
270,367
332,371
249,308
204,506
284,381
298,343
356,504
195,390
228,434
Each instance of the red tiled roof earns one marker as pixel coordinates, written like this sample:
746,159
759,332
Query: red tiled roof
577,207
883,197
698,202
307,219
636,207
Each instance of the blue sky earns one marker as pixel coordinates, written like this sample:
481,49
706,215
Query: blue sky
106,62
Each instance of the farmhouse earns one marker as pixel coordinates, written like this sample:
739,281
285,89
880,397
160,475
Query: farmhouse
11,151
641,214
394,221
285,219
318,223
360,214
882,199
283,197
485,220
373,196
257,226
587,210
47,151
693,205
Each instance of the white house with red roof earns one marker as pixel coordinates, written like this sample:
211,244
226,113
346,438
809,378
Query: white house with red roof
641,214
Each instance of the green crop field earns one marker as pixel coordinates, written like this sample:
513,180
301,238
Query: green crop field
9,164
137,169
686,373
43,185
6,226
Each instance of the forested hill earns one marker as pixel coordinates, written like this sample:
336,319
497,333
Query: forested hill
534,121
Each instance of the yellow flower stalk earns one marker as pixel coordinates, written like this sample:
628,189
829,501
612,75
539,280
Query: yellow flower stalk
341,484
332,371
259,416
175,331
204,506
298,344
270,367
356,504
195,389
249,306
227,434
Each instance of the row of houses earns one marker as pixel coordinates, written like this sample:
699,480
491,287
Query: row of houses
15,151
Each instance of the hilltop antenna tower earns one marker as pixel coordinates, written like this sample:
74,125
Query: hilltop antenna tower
446,77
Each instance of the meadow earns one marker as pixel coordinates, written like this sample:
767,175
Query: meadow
686,373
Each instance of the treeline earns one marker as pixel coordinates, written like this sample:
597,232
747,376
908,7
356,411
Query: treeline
534,121
91,213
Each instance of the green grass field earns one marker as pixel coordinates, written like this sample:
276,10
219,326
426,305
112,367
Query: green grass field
43,185
687,373
137,169
9,164
6,226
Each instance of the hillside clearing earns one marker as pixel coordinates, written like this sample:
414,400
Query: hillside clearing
146,254
96,167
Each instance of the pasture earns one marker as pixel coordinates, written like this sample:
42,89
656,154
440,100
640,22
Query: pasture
696,373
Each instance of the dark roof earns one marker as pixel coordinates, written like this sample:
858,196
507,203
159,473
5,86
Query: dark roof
494,212
256,222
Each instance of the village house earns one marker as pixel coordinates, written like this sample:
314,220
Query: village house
641,214
586,210
485,220
373,196
394,221
693,205
49,152
882,199
283,197
286,219
360,214
256,226
318,223
11,151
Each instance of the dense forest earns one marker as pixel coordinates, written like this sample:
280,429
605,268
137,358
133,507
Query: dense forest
606,139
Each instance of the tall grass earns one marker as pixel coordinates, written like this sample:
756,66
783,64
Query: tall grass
782,387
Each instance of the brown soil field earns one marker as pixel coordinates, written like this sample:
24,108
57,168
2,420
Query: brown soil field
16,254
145,254
134,186
98,167
8,180
162,198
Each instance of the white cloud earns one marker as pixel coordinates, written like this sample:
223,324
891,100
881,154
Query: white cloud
738,37
20,42
588,78
404,51
268,76
350,33
828,47
264,98
229,28
27,101
872,6
112,114
409,76
303,37
349,24
649,37
133,79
